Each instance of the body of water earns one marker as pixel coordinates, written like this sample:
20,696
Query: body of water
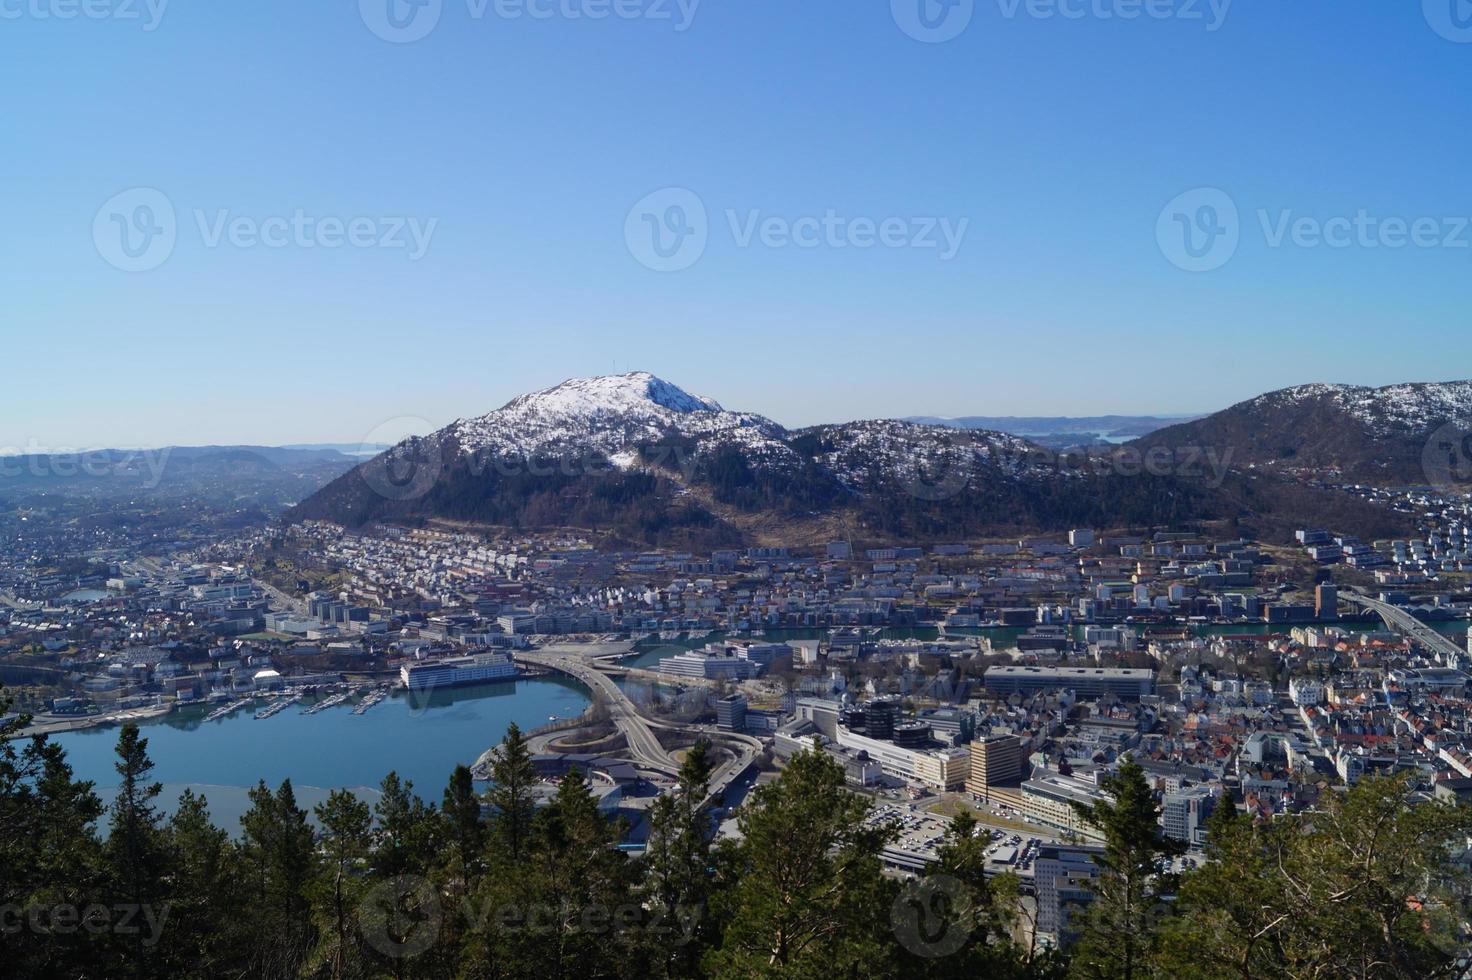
422,739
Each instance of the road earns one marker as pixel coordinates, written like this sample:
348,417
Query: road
282,601
637,729
744,750
1398,619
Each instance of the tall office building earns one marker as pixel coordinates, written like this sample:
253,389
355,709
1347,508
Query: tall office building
995,763
1326,601
1061,878
1184,814
880,716
731,712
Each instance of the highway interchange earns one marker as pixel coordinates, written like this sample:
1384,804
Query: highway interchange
588,668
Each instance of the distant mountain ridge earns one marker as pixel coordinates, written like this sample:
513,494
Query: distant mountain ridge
645,461
119,462
255,483
1060,431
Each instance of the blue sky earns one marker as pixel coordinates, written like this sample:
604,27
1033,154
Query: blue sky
519,147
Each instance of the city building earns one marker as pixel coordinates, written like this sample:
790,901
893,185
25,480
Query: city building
821,712
1306,692
1184,814
1048,798
1061,877
995,763
1326,601
731,712
1086,682
453,671
937,769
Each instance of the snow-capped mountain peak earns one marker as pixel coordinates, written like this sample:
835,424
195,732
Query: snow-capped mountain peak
635,393
610,414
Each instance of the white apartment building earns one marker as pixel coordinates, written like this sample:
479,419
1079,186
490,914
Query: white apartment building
1048,798
1306,692
938,769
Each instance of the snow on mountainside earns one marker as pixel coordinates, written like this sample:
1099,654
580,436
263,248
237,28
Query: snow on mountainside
1403,407
1370,435
622,416
645,461
863,454
613,415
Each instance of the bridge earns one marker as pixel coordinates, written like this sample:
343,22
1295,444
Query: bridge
637,729
1398,619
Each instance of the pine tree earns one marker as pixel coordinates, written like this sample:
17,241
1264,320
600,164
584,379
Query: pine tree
1226,909
407,830
581,878
961,923
279,849
495,944
407,843
807,898
346,841
135,845
512,780
50,854
1120,928
206,899
677,864
1365,885
464,829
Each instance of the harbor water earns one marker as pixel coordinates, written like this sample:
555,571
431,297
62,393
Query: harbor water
422,738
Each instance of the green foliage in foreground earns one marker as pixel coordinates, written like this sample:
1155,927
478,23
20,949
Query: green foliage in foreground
1366,888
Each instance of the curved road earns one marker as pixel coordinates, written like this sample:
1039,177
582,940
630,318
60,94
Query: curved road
638,730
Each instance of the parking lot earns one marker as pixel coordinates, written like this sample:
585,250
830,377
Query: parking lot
921,833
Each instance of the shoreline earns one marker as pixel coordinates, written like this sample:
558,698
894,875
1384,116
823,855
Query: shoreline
60,726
